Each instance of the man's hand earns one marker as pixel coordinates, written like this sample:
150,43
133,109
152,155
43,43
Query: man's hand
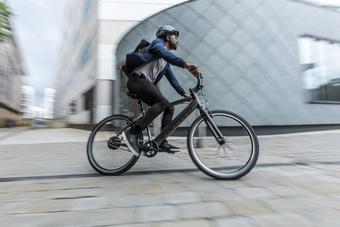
192,68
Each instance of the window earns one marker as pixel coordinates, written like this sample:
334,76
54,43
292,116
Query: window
73,107
88,99
319,59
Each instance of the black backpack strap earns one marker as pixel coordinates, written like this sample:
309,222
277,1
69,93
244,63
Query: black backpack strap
125,71
142,44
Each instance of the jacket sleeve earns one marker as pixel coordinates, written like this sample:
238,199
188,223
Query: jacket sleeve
172,79
158,49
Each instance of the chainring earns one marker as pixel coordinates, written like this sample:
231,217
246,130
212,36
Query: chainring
150,149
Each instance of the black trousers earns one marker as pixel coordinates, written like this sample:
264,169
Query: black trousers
151,95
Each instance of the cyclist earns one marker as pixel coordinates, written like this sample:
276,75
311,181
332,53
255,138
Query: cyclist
144,79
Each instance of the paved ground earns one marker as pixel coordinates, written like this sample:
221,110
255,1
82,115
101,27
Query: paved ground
47,181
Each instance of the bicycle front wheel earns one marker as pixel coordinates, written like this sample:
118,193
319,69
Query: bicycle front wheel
232,160
107,151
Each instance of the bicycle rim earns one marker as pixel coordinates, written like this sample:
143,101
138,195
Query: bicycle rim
231,160
113,158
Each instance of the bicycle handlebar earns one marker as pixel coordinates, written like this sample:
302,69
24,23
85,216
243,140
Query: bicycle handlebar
199,83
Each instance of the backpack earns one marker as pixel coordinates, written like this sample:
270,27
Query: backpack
135,59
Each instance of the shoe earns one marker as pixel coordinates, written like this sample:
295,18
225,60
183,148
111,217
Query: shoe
131,141
167,147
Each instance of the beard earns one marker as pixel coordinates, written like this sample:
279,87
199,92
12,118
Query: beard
173,46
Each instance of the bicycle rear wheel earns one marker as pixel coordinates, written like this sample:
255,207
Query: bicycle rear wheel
107,151
231,160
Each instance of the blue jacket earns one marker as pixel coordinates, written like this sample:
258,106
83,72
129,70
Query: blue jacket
157,50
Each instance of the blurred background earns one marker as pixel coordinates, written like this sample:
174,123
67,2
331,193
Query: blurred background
273,62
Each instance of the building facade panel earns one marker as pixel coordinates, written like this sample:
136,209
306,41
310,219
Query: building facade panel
78,60
249,53
86,77
11,74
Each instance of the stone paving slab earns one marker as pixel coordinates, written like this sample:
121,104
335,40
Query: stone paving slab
31,153
65,202
42,136
300,188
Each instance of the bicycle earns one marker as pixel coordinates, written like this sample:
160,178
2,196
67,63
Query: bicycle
214,139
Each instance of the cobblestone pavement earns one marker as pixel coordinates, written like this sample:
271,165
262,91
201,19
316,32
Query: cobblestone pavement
45,180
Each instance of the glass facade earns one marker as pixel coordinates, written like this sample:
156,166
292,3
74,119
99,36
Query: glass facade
250,53
86,53
319,59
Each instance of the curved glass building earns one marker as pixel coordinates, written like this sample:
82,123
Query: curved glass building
272,62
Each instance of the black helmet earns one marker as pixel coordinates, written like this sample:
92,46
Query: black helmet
166,30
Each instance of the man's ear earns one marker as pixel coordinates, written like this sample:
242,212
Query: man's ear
168,38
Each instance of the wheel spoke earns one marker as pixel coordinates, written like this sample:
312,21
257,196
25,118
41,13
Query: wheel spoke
107,151
231,160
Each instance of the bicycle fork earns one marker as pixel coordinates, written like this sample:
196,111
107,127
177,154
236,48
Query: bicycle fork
213,128
207,117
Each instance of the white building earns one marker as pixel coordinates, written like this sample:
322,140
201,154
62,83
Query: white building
85,89
38,112
48,103
29,110
11,73
27,101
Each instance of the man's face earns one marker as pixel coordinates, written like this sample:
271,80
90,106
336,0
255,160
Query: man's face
173,39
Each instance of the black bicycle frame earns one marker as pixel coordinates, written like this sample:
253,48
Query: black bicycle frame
177,120
194,104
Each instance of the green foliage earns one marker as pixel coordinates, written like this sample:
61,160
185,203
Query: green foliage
5,29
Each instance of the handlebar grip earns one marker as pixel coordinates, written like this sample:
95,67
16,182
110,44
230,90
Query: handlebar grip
199,82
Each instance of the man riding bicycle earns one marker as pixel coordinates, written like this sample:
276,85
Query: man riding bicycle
143,80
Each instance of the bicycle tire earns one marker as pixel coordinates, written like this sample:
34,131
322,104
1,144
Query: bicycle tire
216,171
126,165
